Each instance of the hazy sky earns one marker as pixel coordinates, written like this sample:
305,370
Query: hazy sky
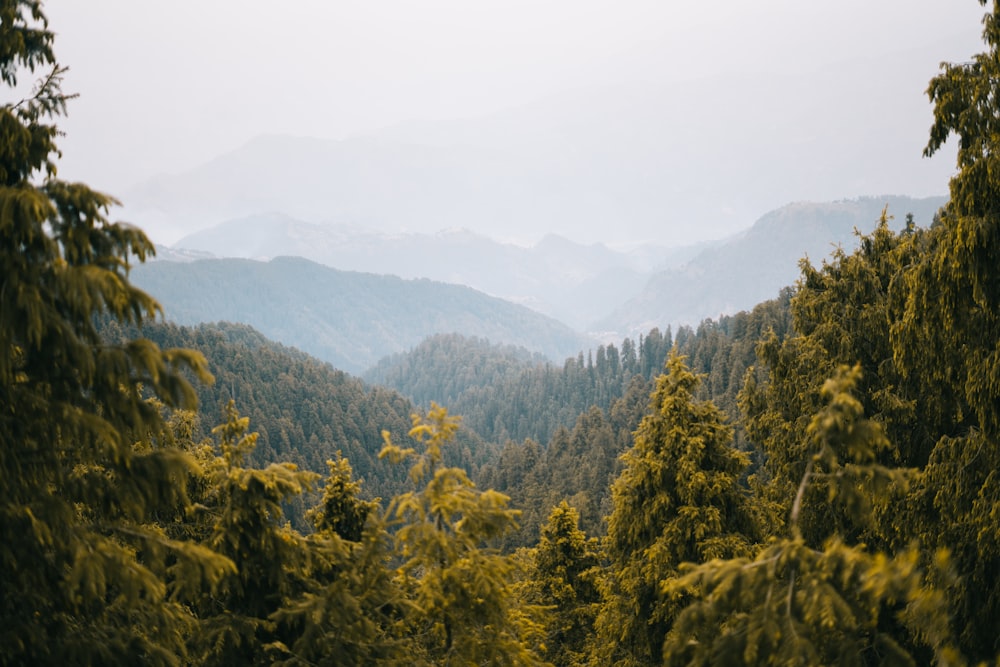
165,86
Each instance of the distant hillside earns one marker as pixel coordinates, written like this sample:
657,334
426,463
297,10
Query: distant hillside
572,282
753,266
563,427
503,393
445,366
303,409
348,319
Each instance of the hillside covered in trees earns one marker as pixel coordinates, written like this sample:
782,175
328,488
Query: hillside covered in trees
813,482
346,318
303,411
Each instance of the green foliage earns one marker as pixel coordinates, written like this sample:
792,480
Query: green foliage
303,410
578,463
677,500
130,537
442,367
563,576
839,604
795,605
341,510
949,303
244,510
465,611
720,351
87,576
842,315
505,396
350,610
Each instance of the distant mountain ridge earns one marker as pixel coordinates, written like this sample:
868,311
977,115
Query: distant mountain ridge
572,282
592,288
753,266
348,319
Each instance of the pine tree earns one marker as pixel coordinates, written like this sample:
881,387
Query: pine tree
563,576
465,610
341,510
677,500
244,510
86,577
946,337
842,315
350,611
795,604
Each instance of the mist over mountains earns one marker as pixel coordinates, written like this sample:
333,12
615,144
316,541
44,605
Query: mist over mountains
611,209
667,163
352,318
572,282
754,265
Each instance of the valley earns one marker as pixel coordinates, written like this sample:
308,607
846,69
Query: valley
573,382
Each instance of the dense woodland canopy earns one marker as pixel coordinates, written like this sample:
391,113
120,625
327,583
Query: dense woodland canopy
811,482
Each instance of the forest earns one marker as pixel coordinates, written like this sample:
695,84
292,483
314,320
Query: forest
811,482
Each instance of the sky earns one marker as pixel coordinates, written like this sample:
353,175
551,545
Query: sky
166,86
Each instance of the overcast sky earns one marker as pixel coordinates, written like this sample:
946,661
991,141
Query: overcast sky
165,86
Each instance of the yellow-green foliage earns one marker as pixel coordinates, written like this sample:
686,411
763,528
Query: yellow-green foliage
858,541
86,577
794,604
563,576
465,611
677,500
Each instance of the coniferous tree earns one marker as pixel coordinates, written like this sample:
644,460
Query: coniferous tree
86,577
465,611
243,507
795,604
841,315
563,576
946,338
350,611
677,500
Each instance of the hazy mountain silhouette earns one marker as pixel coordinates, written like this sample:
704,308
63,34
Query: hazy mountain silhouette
571,282
348,319
754,265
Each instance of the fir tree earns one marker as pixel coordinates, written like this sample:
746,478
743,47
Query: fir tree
350,611
563,577
841,314
244,508
465,611
946,337
794,604
85,573
676,501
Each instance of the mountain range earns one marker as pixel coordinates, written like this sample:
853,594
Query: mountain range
348,319
572,282
607,294
754,265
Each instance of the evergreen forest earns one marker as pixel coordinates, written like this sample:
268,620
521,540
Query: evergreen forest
815,481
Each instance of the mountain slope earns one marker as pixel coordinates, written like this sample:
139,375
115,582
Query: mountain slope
753,266
445,366
348,319
572,282
303,410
